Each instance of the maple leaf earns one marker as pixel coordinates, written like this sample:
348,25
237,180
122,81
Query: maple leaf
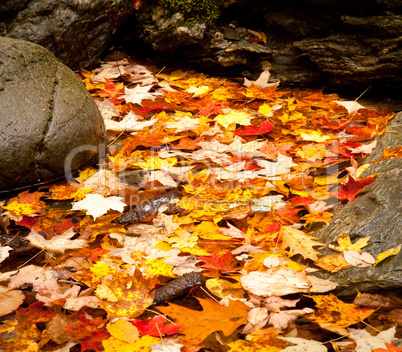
226,262
299,242
122,295
156,326
97,205
334,315
129,123
58,243
353,187
68,191
345,244
300,344
138,94
262,81
366,342
264,127
28,204
198,325
234,117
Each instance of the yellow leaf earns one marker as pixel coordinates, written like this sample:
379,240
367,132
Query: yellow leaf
316,216
266,342
140,345
390,252
198,91
157,267
222,288
84,174
265,109
234,117
123,295
334,315
28,204
346,245
299,242
123,330
154,162
315,136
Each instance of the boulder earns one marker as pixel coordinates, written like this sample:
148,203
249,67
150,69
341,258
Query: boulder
75,31
376,212
49,123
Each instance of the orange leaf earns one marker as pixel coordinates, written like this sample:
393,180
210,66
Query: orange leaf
197,325
226,262
390,348
26,203
335,315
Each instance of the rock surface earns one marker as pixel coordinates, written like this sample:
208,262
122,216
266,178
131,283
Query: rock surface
376,212
75,31
46,117
322,43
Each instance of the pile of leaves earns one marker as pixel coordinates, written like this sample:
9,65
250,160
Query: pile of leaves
236,177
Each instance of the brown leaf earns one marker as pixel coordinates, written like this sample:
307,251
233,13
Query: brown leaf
10,300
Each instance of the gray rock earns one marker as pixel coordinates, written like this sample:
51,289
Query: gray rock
75,31
376,212
47,116
317,43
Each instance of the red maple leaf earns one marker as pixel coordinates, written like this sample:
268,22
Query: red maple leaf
226,262
156,326
94,341
265,127
353,187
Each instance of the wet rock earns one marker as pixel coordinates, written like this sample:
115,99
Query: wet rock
49,123
376,212
75,31
201,43
315,43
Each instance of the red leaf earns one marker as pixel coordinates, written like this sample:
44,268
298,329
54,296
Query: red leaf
94,341
296,201
156,326
226,262
265,127
353,187
35,313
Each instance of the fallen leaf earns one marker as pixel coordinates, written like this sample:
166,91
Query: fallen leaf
97,205
10,300
334,315
275,282
58,243
198,325
380,257
303,345
367,343
355,258
353,187
299,242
